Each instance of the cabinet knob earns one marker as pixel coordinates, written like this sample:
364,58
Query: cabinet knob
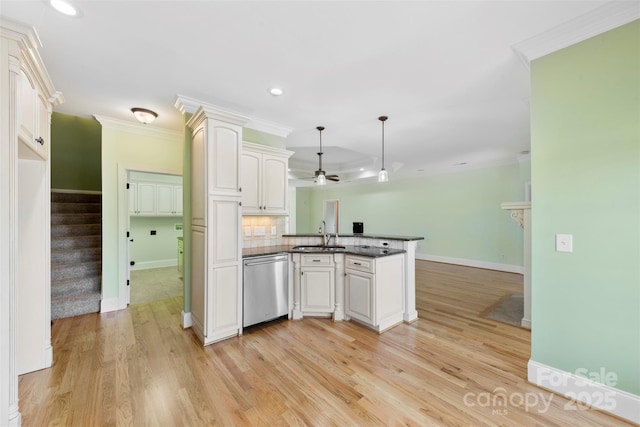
240,190
39,140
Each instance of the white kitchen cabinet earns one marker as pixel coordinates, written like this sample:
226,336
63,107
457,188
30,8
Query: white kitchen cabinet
34,118
142,198
317,284
168,200
216,248
26,98
154,199
374,290
264,179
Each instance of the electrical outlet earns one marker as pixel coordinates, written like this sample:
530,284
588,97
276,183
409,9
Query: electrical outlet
564,243
274,230
247,232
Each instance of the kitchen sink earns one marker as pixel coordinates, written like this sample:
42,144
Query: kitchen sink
318,248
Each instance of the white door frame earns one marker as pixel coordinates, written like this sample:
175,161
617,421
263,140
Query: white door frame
123,224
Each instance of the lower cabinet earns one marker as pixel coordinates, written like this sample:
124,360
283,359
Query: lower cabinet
317,284
374,290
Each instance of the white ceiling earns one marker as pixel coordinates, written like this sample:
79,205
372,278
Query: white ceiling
443,71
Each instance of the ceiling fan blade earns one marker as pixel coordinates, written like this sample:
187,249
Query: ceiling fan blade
334,178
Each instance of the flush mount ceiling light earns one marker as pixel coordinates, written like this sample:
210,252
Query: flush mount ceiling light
143,115
383,176
65,8
276,91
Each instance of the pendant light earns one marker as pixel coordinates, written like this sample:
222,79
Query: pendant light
383,176
321,179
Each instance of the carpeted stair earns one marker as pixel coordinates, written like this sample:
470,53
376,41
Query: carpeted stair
76,254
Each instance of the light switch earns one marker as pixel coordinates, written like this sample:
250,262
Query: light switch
564,243
247,232
274,231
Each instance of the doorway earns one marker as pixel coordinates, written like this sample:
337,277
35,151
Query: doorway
154,236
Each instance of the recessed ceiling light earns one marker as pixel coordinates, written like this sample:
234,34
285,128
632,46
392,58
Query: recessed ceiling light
64,7
276,91
361,169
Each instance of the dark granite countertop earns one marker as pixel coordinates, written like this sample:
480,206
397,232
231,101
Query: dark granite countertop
367,236
367,251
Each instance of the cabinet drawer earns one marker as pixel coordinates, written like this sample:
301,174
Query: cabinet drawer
316,260
360,263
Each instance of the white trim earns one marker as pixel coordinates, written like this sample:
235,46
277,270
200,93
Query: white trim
185,104
186,320
146,265
509,268
269,127
109,304
576,388
66,191
138,128
611,15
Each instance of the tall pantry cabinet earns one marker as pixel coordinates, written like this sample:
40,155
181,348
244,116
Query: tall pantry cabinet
26,99
216,215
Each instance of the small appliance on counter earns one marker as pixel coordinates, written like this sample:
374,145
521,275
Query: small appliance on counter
358,228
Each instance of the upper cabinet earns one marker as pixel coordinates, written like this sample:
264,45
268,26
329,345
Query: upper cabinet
34,114
160,198
264,179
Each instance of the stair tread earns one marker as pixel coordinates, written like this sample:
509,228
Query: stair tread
75,296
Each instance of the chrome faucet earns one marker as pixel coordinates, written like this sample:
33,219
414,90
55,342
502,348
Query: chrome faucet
326,237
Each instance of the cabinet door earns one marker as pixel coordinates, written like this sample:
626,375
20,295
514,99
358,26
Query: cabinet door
224,286
274,184
133,198
251,203
146,198
43,129
177,200
317,290
164,200
360,296
27,118
224,159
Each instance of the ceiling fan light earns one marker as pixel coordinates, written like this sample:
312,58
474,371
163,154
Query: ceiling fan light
383,176
321,179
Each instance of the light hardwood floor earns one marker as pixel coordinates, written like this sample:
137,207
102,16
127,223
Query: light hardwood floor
137,367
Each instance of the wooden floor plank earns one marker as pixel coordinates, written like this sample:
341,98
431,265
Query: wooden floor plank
138,367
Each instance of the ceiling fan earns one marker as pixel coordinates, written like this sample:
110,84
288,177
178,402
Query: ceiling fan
320,175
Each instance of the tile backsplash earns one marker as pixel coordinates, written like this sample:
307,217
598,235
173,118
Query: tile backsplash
259,231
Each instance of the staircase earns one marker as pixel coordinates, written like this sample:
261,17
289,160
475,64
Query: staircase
76,254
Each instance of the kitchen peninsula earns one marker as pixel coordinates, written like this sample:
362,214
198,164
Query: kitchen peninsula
369,278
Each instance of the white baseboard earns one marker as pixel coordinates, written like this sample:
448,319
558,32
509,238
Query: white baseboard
145,265
186,320
509,268
581,390
109,304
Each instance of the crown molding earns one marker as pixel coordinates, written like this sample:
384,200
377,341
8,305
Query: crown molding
597,21
138,128
269,127
186,104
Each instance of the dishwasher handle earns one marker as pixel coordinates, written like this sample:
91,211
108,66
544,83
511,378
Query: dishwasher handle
266,261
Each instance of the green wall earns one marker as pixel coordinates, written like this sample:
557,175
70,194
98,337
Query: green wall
585,171
75,153
458,214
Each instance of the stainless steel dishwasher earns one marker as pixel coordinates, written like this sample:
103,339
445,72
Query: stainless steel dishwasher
266,288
